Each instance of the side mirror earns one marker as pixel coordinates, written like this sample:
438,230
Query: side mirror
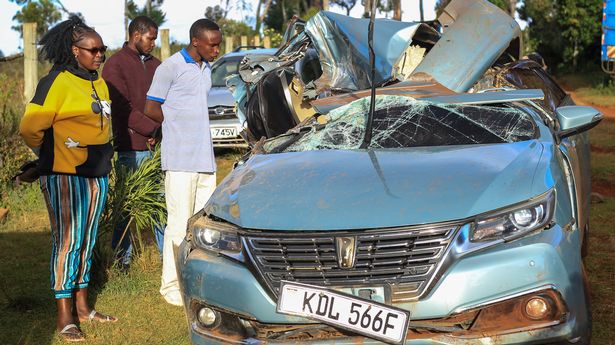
576,119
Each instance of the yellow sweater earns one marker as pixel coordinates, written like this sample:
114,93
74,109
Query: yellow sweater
62,122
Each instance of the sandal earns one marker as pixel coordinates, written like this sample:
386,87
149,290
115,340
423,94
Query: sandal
102,317
71,333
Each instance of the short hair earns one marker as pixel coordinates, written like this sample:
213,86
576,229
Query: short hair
141,24
201,25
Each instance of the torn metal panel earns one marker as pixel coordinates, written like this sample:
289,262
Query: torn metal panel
402,122
476,34
341,42
418,87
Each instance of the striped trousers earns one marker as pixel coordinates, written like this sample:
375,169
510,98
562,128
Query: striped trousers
74,204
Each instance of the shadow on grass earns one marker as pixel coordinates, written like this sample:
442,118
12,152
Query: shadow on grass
27,305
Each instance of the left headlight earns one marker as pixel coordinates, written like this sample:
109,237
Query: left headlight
516,221
215,235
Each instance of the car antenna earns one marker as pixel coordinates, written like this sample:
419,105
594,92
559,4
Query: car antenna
367,139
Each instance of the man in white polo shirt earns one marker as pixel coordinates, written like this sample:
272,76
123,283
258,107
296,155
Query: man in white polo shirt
178,98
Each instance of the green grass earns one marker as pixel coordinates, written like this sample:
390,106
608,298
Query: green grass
27,311
27,307
594,87
601,260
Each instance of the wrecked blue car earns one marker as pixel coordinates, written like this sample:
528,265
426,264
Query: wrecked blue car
462,220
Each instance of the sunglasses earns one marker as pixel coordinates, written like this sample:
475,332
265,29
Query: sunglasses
102,50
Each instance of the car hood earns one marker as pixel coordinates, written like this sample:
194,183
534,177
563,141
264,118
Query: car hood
220,96
356,189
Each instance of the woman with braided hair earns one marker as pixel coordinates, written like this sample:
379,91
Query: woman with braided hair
67,125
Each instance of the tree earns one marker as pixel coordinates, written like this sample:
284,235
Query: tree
348,5
281,11
215,13
151,8
564,32
43,12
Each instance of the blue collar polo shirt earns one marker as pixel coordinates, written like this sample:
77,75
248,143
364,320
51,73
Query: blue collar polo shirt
182,86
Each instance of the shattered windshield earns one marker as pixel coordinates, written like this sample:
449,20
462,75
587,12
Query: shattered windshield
402,122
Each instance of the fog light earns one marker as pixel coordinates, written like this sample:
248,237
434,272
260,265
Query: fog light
537,308
207,317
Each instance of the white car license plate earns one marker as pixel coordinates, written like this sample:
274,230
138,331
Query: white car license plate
223,132
368,318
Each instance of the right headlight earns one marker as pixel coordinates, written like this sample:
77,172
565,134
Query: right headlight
214,235
516,221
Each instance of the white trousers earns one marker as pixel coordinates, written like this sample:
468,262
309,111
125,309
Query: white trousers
186,193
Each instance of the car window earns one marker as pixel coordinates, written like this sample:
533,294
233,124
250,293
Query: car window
402,122
222,69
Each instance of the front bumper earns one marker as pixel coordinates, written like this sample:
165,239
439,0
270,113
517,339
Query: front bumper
495,275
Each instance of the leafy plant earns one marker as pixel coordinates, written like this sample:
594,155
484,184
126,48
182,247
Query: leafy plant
136,196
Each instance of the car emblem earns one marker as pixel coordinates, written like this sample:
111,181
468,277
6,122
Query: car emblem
346,251
219,111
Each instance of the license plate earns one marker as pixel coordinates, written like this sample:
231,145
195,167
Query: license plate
364,317
223,132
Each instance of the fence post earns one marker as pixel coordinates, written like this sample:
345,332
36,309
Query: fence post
165,46
257,40
229,44
267,42
30,61
244,40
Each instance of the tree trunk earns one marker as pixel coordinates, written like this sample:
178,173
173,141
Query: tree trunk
421,10
148,8
259,20
257,27
284,18
368,5
126,20
325,5
397,10
513,7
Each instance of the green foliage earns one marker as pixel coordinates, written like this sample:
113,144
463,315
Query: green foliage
42,12
275,36
564,32
215,13
230,27
136,196
13,153
151,8
281,11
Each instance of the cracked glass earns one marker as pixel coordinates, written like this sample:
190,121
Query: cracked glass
403,122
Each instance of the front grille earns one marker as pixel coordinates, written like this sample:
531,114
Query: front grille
221,112
403,258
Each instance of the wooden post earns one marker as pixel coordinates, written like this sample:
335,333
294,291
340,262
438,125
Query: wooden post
325,5
165,44
267,42
30,61
257,40
244,40
229,44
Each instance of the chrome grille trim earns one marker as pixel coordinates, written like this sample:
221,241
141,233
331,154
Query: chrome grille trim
222,112
403,258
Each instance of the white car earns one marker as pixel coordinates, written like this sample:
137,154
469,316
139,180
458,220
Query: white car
224,124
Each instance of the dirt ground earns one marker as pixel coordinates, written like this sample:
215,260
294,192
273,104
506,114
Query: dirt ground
608,111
